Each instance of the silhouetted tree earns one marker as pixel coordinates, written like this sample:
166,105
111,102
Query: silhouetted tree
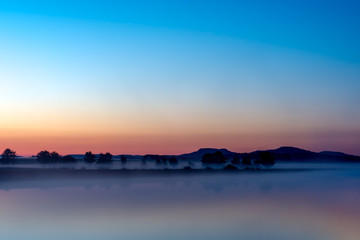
216,157
164,160
158,160
43,156
246,161
105,158
68,159
8,156
207,158
55,157
47,157
173,160
236,160
266,159
89,157
123,159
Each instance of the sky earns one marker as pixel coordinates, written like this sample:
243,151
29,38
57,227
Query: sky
170,77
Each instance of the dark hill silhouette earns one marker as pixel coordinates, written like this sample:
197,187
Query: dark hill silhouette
293,154
335,156
282,154
291,150
197,155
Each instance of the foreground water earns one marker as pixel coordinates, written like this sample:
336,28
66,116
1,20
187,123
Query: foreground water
318,202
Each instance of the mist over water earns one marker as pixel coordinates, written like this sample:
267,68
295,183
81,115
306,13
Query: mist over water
314,203
184,106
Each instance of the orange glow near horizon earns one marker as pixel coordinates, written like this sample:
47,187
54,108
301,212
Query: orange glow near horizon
167,132
27,144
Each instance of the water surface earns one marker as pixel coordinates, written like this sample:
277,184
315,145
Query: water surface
319,202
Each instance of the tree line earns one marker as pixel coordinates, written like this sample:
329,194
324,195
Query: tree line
9,156
262,159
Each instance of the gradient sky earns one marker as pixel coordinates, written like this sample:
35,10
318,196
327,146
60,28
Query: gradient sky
172,76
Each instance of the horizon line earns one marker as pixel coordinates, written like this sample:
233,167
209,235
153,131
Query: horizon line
218,148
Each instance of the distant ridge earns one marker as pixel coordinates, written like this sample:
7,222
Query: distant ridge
293,154
292,150
339,155
281,154
197,155
297,154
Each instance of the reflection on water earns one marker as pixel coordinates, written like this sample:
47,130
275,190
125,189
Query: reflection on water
316,204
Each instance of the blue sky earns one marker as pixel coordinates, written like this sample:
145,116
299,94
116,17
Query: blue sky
245,75
329,28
